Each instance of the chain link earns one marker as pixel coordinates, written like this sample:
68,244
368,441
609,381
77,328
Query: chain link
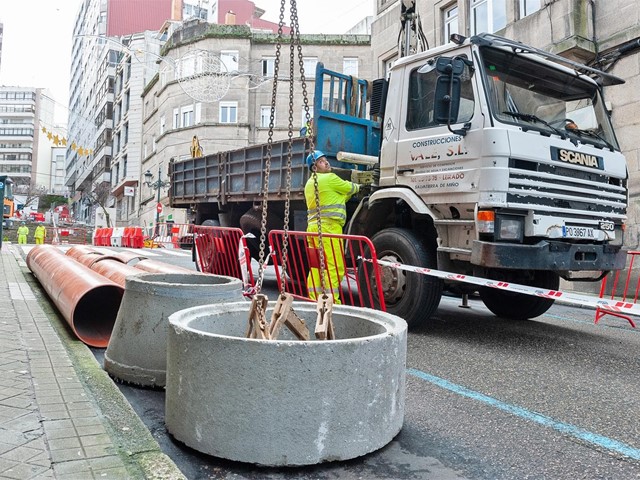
267,170
294,44
312,147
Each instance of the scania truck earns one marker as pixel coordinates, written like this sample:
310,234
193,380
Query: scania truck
489,157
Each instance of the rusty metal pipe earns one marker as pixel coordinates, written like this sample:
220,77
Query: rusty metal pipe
88,301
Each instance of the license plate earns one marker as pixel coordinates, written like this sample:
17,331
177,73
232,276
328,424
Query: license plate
578,232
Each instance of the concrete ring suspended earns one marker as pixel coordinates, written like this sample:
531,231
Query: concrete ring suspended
285,402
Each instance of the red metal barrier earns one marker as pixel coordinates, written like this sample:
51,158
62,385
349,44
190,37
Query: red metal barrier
68,235
174,235
623,294
217,251
361,284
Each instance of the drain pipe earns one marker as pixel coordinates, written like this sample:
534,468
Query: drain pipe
88,301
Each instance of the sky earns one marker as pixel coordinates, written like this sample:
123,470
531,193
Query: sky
36,44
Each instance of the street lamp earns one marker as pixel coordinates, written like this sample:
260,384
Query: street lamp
157,185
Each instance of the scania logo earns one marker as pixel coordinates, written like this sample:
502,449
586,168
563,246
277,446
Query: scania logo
577,158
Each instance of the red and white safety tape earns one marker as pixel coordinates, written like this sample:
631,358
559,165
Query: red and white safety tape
565,297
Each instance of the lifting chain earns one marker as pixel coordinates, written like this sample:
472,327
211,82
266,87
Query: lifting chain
283,312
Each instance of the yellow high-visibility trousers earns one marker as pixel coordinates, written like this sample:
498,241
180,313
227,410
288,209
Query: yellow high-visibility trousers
22,239
334,269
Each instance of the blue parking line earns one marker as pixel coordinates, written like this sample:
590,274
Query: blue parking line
566,428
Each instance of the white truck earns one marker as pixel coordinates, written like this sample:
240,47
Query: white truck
495,159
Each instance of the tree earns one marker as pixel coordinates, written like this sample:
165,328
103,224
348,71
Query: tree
99,195
30,193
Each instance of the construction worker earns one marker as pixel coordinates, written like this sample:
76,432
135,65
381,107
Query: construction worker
307,130
40,234
333,193
23,231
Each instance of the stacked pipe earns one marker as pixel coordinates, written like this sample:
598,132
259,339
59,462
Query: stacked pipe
87,285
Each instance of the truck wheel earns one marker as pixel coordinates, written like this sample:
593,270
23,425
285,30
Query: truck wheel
251,222
518,306
211,223
412,296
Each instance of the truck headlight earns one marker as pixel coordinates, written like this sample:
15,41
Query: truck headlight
509,228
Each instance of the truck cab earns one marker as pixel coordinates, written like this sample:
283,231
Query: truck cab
499,160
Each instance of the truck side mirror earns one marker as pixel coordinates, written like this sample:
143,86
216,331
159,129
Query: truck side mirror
448,85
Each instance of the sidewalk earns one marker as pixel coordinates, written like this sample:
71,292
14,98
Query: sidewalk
61,416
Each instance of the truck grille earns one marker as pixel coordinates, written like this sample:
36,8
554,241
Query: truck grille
572,192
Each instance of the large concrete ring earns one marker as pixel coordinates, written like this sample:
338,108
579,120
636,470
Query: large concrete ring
285,401
137,350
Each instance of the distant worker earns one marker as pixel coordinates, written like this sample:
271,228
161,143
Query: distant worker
333,193
23,231
40,234
307,130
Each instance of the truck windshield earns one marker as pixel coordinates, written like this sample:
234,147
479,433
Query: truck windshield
539,96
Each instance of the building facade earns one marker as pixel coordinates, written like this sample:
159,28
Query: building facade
24,148
605,35
239,64
137,66
100,29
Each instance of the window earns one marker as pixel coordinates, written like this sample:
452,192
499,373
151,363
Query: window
265,116
176,118
527,7
187,116
420,108
349,66
450,16
230,60
310,67
488,16
268,66
387,67
228,112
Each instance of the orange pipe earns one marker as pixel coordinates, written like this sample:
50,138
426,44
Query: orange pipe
88,301
126,257
77,250
153,266
88,259
115,270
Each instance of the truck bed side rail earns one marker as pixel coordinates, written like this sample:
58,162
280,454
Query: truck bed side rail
341,114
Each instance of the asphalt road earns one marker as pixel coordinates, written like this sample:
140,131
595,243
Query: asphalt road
552,398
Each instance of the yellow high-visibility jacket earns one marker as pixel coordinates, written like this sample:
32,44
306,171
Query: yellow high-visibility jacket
334,193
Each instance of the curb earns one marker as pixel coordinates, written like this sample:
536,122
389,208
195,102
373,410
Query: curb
135,445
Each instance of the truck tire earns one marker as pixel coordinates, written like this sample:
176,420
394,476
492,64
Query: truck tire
251,222
518,306
411,296
211,223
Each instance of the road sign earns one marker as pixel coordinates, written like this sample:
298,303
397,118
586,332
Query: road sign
159,207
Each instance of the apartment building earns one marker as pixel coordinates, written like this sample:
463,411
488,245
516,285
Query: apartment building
24,148
136,67
174,110
100,35
601,34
